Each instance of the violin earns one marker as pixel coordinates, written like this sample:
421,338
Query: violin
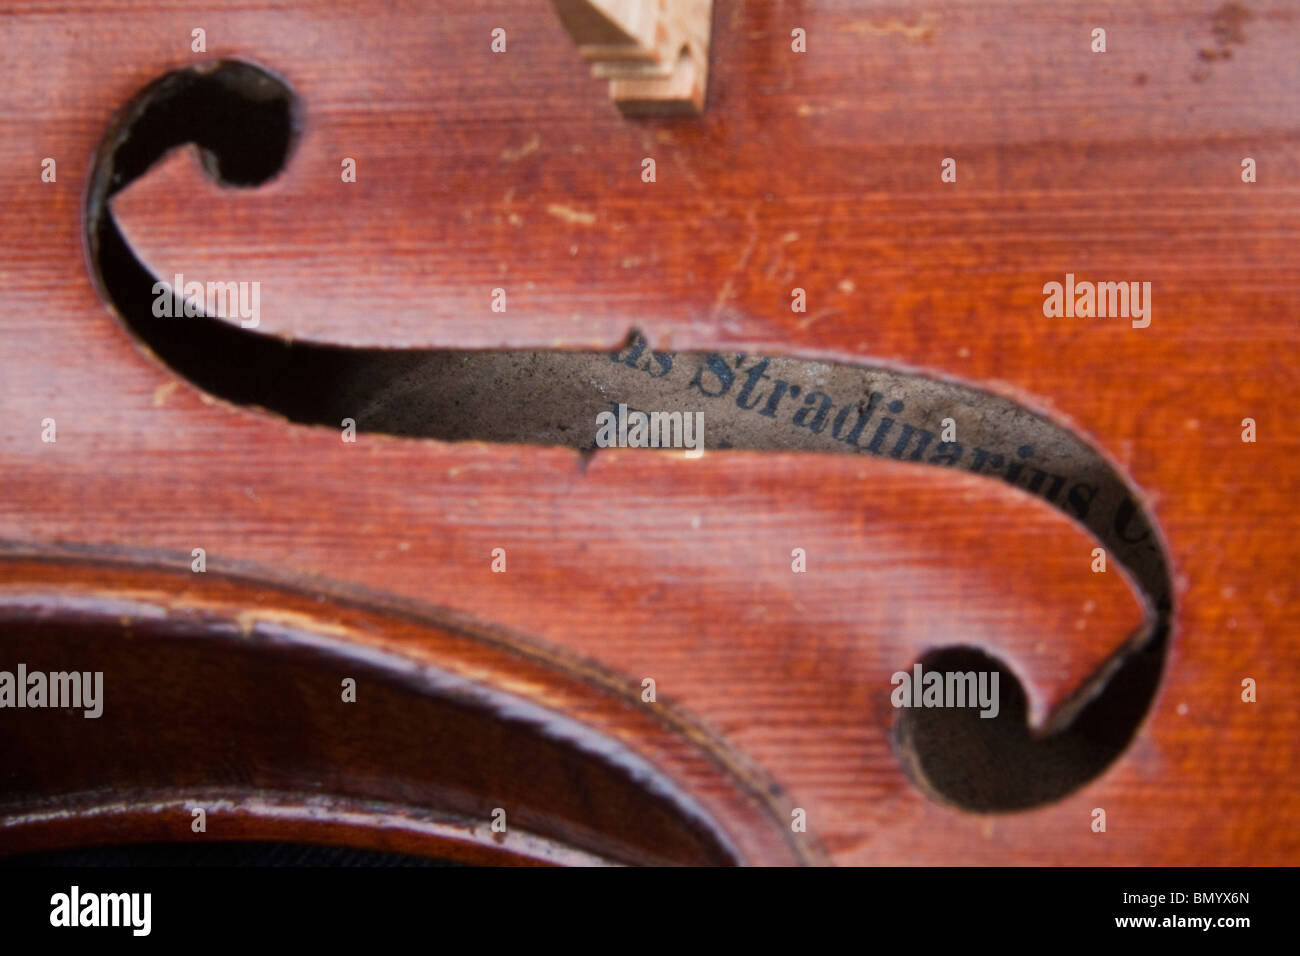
832,434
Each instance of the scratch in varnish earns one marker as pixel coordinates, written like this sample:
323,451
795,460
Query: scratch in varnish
514,155
921,32
573,216
728,286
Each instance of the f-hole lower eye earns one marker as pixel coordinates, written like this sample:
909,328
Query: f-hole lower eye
983,757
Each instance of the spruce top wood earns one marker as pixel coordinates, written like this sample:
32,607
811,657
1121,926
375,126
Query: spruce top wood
818,171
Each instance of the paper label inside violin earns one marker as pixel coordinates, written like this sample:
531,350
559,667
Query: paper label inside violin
747,401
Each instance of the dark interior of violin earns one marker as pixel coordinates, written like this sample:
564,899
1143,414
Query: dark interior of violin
662,432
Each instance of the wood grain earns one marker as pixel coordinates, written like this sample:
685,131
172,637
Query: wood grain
819,171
